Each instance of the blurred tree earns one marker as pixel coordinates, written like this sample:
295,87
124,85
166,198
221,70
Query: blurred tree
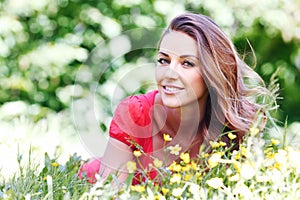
44,43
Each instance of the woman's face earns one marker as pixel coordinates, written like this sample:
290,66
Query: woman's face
178,71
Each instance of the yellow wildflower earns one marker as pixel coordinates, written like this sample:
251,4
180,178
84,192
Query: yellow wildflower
137,153
214,144
254,131
175,178
159,197
275,142
185,157
165,191
131,166
157,163
194,166
177,192
277,165
204,155
54,164
237,166
172,166
267,150
222,144
214,160
231,136
215,182
175,149
187,177
177,168
138,188
237,156
244,150
167,138
186,168
270,155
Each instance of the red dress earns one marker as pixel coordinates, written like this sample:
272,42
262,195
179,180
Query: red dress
132,125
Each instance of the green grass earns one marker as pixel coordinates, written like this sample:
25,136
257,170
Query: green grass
54,181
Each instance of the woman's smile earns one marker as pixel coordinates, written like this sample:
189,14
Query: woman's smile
172,89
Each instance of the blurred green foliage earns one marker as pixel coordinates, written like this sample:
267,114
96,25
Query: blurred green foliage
44,43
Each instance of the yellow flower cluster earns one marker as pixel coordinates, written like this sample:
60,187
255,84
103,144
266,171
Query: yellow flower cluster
248,171
138,188
215,144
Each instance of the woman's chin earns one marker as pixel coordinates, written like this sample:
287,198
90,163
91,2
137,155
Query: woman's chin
171,104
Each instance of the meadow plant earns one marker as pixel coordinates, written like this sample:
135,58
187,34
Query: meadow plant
260,169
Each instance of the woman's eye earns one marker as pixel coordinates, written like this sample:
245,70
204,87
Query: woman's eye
162,61
188,64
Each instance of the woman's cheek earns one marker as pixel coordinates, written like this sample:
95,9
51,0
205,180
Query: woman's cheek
159,74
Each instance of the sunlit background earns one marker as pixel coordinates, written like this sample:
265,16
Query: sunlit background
50,60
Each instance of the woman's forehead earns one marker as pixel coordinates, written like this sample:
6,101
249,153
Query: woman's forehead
178,43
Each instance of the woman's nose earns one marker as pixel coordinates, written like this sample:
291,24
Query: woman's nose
172,71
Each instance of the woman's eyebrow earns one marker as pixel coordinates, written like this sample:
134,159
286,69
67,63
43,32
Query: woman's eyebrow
186,56
182,56
163,53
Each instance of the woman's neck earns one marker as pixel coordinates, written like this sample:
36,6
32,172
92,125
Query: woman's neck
186,119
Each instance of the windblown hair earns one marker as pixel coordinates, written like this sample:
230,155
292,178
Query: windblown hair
232,103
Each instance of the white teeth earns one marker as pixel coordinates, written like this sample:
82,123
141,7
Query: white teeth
171,89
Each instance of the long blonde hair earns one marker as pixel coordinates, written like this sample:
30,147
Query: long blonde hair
224,72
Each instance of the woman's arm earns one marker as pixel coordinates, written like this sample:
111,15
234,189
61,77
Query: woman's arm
115,157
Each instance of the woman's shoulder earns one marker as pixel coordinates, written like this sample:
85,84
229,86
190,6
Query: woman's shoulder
137,107
133,118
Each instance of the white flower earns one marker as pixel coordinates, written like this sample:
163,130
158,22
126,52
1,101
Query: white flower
176,192
175,150
247,171
195,190
262,178
214,160
242,189
295,163
215,182
281,156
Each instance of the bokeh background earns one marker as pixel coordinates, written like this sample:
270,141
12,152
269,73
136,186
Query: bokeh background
46,65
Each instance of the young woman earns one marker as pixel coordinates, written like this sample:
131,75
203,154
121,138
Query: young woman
201,93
